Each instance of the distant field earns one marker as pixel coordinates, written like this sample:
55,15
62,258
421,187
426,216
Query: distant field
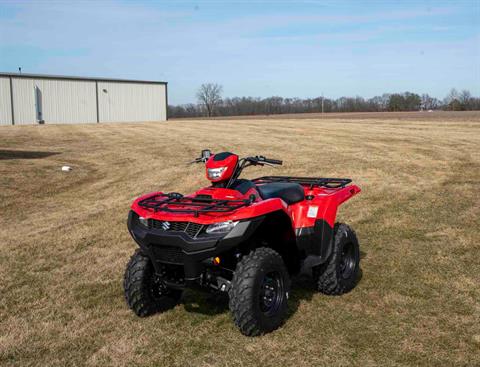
64,242
415,116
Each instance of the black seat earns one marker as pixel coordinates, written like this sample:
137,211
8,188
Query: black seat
291,193
242,185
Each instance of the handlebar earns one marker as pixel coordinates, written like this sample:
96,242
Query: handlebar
274,161
204,155
261,160
257,160
197,160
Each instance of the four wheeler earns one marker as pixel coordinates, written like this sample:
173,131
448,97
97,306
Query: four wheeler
242,237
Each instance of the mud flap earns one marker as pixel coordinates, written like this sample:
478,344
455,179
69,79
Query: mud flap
316,241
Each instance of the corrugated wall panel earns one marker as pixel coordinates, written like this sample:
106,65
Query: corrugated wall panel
24,101
68,101
63,101
131,102
5,102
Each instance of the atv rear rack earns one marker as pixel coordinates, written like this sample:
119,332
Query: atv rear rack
329,183
164,203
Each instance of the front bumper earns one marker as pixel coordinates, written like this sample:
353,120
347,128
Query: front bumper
177,247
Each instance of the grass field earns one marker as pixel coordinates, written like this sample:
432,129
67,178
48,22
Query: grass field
64,243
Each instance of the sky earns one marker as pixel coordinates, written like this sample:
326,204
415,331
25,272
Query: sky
252,48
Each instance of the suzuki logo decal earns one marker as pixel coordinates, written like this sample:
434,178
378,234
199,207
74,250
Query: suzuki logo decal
166,226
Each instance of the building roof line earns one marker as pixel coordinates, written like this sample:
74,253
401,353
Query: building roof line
79,78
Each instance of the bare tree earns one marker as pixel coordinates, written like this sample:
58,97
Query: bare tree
465,97
429,103
210,96
236,106
451,96
452,100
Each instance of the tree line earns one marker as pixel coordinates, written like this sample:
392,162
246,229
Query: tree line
211,103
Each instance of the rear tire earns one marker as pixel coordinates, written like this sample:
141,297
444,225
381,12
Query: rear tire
144,292
259,292
341,271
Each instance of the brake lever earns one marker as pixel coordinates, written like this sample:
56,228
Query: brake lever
197,160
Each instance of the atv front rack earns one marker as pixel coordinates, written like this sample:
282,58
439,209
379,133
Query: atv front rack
176,203
329,183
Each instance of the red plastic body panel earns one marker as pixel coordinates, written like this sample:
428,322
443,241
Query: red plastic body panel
228,163
323,205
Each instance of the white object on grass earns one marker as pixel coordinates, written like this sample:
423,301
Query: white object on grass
66,168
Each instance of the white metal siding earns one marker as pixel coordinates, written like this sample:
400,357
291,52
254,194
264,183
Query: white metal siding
131,102
24,101
68,101
5,102
63,101
75,101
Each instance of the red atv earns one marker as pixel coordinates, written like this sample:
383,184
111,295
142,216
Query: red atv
243,237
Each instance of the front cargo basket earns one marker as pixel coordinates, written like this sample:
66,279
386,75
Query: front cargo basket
176,203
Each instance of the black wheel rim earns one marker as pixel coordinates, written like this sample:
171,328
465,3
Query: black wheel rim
347,260
271,293
158,289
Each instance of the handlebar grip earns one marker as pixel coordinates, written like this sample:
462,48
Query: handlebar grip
273,161
196,160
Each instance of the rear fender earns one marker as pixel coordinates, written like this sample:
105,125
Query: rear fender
314,220
322,206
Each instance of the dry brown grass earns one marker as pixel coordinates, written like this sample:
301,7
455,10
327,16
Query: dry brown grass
64,243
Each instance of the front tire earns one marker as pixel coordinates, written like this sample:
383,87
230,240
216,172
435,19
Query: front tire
259,292
341,271
144,292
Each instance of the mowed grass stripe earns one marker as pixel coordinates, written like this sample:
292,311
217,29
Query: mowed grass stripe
64,243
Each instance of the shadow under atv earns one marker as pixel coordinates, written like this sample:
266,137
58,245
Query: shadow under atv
217,303
302,289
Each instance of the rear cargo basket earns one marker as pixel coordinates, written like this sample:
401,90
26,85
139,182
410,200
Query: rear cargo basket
329,183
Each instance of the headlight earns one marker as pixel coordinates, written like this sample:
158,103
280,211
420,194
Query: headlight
143,221
215,173
221,227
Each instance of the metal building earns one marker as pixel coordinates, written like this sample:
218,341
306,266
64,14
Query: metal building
27,99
